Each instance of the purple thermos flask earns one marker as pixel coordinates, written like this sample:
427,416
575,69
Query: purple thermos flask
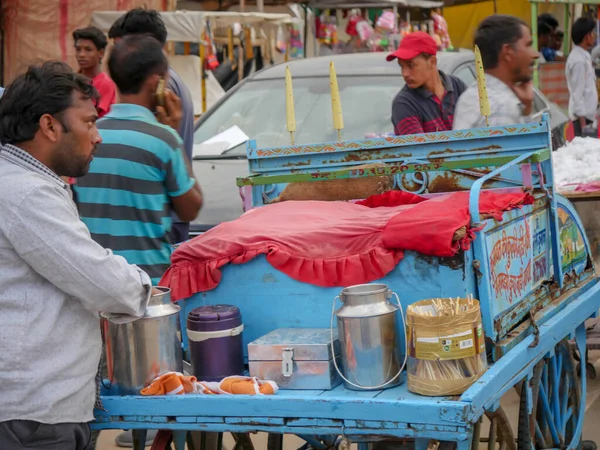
215,342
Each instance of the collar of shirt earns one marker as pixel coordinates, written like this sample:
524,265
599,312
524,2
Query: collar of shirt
448,87
131,111
24,159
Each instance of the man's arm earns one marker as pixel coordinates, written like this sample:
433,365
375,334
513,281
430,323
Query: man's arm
46,232
182,187
405,118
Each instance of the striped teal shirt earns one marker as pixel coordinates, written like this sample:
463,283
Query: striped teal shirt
125,198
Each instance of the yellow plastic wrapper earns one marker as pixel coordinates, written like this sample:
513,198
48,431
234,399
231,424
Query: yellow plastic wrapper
446,346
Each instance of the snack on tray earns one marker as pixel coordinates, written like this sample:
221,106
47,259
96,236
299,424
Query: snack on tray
446,346
341,189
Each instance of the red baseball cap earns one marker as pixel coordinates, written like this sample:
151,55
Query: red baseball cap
413,45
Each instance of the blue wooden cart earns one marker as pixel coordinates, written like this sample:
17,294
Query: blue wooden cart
532,273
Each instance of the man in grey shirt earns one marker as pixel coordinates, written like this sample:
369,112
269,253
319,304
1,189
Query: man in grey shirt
54,279
508,58
148,21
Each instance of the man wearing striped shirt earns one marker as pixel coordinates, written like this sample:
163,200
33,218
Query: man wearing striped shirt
140,173
426,102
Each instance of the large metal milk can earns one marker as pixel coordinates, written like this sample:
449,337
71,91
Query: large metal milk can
367,324
137,352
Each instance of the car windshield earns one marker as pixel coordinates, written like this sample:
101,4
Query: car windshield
258,108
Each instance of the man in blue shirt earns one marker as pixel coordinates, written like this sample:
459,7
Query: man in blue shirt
140,173
147,21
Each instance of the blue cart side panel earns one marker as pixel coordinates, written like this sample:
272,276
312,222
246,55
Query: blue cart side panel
269,299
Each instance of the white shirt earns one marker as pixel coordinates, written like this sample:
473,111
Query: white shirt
505,107
54,280
581,81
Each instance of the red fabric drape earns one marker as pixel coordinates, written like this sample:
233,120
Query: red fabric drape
332,243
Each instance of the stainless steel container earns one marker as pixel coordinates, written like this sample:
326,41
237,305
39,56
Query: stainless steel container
296,358
367,324
137,352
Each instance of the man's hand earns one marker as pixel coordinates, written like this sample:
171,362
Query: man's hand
171,113
524,92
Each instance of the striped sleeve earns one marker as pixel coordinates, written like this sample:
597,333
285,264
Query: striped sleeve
178,178
405,118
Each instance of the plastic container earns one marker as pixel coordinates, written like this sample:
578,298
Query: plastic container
215,342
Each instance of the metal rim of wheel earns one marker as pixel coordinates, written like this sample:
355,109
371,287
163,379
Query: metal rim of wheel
555,402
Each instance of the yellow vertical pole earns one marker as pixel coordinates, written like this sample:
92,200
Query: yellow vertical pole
336,104
202,77
290,113
484,101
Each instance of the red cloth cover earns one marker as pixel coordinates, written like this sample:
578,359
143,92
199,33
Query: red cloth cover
332,243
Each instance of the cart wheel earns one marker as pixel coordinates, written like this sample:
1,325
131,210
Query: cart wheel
554,403
589,368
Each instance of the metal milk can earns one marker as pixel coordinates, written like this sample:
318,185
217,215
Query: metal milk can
140,351
367,321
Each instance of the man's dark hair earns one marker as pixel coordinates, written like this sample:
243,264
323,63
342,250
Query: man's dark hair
46,88
115,30
144,21
548,19
91,34
493,33
560,34
544,29
133,60
581,28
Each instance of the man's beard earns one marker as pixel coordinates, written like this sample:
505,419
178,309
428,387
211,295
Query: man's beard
67,162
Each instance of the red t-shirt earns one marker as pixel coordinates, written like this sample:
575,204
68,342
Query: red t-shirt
108,93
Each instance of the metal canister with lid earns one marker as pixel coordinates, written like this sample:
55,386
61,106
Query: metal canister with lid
215,342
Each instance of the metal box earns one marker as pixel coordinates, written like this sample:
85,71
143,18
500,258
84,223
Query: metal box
296,358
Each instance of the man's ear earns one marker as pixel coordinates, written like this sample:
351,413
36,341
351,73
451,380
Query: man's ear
507,53
49,128
101,54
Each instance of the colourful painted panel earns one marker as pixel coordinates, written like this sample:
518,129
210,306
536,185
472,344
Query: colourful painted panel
519,254
392,141
572,243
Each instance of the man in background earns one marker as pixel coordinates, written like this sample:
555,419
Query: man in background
426,102
148,21
508,58
140,174
90,45
581,77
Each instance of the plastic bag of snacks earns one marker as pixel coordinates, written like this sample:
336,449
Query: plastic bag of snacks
446,346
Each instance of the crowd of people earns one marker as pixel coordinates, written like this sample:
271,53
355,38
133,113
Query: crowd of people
92,207
432,100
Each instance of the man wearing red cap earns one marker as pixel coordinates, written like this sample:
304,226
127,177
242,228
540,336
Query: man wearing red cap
426,102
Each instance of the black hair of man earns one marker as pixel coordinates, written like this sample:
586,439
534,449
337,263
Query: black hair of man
144,21
544,29
91,34
549,19
133,60
581,28
115,30
560,35
493,33
45,88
